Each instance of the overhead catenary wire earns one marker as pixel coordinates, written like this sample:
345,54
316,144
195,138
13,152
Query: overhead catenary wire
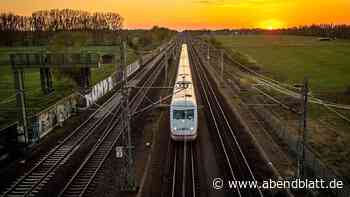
279,86
276,101
8,99
323,104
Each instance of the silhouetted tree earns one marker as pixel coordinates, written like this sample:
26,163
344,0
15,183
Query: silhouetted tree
321,30
61,20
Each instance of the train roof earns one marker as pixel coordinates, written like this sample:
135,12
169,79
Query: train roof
184,96
183,93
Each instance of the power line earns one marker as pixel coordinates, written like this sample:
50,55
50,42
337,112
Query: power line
279,86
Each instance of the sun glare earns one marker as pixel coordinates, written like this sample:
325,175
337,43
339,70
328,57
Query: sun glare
271,24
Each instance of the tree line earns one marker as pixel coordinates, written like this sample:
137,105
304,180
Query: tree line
148,39
321,30
47,26
60,20
39,28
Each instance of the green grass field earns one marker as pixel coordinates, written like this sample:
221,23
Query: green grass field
36,100
290,58
327,64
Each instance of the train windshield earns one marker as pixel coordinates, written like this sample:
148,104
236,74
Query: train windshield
184,114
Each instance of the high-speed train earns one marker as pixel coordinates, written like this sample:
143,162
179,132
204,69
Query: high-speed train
183,108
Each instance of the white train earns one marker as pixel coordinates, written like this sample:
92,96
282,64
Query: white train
183,108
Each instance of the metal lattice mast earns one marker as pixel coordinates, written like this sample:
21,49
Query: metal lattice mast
129,161
166,66
305,108
208,52
222,65
303,129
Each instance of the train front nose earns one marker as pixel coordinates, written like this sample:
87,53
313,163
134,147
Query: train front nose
184,129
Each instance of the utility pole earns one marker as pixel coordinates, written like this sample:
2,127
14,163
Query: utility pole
129,161
222,64
303,129
208,53
166,66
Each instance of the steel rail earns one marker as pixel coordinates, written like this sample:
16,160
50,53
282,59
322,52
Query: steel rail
193,172
226,121
174,175
183,170
216,125
102,141
136,101
58,154
40,177
231,131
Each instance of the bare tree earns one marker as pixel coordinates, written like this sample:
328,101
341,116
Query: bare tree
61,20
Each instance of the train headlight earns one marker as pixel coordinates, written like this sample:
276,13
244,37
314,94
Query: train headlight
175,128
192,128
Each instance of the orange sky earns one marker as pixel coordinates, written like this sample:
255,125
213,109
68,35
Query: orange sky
196,14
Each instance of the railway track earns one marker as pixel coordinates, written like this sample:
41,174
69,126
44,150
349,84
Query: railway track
184,170
180,176
79,183
41,173
234,159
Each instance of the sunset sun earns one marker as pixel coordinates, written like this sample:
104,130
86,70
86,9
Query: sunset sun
271,24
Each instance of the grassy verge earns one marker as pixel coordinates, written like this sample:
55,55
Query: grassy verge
288,59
